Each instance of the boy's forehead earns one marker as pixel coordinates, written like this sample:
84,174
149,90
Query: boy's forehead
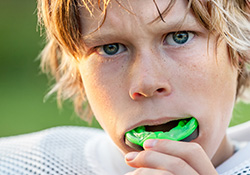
136,8
142,12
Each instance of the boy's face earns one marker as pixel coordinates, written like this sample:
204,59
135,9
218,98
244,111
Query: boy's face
137,72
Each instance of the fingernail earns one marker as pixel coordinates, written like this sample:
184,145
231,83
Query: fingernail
130,156
150,143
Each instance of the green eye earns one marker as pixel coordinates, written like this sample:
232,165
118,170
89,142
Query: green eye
178,38
111,49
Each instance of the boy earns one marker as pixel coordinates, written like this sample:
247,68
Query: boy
146,63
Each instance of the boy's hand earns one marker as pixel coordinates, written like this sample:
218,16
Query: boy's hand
170,158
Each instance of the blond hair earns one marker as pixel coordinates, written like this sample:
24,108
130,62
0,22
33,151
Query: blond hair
61,19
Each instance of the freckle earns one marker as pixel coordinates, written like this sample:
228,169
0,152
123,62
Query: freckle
194,67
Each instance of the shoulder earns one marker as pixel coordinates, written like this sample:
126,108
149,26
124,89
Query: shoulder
239,163
240,132
58,150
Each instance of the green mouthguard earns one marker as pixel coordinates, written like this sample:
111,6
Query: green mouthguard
184,129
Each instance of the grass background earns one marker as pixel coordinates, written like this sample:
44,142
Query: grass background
23,87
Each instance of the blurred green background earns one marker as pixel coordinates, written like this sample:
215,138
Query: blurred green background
23,87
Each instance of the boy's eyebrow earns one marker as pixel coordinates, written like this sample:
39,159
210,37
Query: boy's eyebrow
99,36
94,37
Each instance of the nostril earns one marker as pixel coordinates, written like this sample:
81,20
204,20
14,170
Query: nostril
160,90
136,95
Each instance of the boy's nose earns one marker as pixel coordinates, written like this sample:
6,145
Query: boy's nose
149,79
147,92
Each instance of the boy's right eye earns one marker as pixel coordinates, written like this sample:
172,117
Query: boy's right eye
110,49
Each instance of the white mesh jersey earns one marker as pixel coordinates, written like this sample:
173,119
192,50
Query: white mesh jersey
87,151
61,151
239,163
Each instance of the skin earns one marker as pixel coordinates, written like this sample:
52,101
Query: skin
150,81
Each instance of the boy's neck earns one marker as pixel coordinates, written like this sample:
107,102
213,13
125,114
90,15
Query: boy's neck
225,150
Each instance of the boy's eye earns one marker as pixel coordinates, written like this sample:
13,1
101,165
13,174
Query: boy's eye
178,38
110,49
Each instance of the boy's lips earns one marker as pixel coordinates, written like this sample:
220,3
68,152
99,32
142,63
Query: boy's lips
153,123
164,123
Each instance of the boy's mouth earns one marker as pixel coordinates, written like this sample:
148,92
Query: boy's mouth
163,127
179,130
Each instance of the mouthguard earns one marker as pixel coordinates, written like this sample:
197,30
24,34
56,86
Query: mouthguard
186,130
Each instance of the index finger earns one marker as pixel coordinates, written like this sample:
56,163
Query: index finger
190,152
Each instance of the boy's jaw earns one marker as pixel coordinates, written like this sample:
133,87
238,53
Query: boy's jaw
163,124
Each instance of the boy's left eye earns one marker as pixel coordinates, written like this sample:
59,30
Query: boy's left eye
178,38
110,49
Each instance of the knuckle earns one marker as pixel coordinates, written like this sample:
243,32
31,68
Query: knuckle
195,147
145,154
179,163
